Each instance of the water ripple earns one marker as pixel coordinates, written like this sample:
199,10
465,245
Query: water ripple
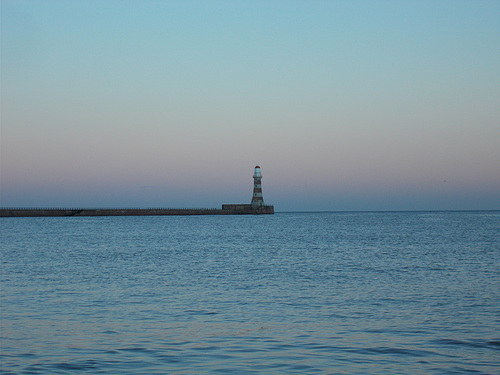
326,293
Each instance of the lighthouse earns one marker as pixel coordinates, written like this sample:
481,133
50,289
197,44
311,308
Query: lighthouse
257,205
257,200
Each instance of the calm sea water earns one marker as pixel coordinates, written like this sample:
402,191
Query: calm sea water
326,293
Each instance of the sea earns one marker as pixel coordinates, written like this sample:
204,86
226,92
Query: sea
289,293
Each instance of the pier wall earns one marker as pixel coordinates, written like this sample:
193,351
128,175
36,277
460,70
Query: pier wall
44,212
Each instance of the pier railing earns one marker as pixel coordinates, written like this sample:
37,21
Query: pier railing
113,211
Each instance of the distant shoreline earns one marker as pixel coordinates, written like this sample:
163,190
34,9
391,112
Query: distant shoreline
381,211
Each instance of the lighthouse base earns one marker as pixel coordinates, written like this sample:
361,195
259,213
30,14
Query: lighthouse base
248,209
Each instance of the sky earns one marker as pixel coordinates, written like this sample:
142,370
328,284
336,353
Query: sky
345,105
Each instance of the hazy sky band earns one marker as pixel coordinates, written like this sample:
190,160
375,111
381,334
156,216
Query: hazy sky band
344,104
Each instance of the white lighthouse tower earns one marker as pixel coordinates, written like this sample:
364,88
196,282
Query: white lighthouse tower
257,200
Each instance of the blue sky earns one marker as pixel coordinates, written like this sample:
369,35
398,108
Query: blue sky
346,105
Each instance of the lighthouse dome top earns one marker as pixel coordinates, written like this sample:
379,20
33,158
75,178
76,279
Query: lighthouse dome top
257,172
